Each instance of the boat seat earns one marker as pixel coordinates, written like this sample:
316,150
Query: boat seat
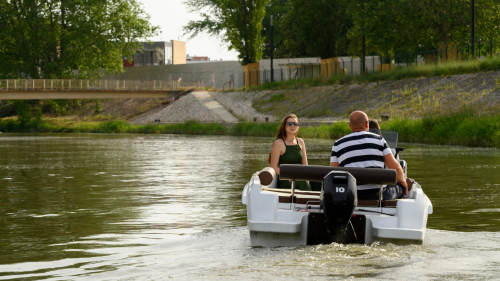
289,191
368,203
389,203
313,200
284,199
299,199
302,197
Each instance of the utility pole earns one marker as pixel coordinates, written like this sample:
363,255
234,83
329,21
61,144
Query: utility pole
272,51
363,55
472,12
363,46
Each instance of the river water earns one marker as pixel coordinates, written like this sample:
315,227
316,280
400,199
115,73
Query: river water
168,207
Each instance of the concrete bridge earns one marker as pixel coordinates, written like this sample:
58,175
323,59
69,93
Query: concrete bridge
36,89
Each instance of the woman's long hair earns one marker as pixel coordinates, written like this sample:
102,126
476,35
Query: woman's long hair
282,133
373,126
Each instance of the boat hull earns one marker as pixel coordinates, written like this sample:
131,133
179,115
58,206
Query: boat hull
275,219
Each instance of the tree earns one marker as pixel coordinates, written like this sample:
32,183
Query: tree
316,28
237,22
53,38
392,26
278,9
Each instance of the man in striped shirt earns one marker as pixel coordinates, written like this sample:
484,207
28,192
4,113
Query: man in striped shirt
362,149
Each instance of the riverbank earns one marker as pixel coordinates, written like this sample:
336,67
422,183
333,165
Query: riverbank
465,128
427,90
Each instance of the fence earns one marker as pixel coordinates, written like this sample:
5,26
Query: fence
212,79
90,85
216,75
233,76
374,63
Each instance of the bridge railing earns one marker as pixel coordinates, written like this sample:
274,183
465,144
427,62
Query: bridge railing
93,85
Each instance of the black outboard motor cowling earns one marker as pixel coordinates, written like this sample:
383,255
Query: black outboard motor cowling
338,200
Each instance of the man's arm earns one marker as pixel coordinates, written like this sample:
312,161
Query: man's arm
392,163
334,162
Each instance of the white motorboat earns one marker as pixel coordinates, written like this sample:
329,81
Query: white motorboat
289,217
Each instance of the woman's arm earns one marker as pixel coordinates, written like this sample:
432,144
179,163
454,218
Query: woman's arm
278,149
304,153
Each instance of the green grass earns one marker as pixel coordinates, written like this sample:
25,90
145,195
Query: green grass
190,127
464,128
426,70
254,129
277,98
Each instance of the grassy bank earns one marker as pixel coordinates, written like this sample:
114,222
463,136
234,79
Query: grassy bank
426,70
40,126
465,128
191,128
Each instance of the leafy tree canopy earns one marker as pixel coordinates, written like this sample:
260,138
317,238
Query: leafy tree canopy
237,22
51,38
392,26
316,28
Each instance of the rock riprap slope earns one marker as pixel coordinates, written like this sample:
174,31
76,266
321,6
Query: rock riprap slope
186,108
240,104
405,98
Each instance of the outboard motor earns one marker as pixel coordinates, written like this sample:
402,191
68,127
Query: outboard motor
338,200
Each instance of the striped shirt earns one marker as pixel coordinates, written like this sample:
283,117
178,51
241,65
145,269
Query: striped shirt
361,150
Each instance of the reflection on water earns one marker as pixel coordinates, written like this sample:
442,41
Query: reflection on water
130,206
459,181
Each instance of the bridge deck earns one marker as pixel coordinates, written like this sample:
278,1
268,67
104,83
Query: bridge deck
29,89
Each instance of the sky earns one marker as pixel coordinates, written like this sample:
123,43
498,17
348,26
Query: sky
171,16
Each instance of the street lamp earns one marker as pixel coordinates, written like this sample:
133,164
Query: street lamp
272,51
363,45
363,55
472,8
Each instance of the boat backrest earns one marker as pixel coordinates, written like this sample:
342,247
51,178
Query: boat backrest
300,197
303,197
317,173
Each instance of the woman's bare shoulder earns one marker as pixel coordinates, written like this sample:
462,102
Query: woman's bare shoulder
301,141
279,143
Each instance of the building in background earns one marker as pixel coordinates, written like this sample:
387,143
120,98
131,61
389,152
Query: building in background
158,53
178,52
196,59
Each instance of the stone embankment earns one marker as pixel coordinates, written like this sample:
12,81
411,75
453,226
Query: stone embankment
404,98
240,104
185,109
207,107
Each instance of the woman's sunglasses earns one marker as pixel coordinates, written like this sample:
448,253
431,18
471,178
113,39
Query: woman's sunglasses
290,124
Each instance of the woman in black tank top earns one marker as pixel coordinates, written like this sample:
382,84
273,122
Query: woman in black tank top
288,149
